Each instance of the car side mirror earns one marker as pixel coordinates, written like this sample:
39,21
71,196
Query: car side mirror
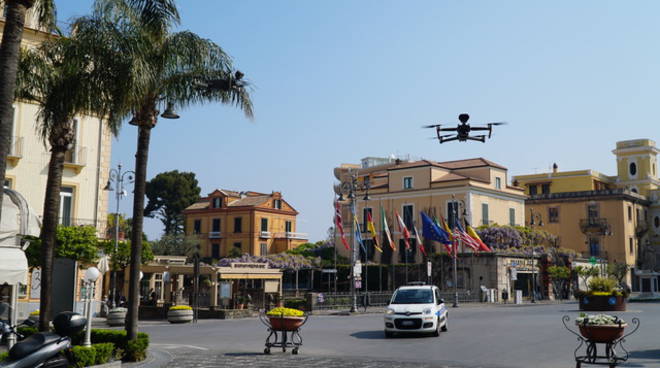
440,301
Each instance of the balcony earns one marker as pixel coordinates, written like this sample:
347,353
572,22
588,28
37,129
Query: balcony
595,226
641,228
265,235
215,235
15,150
291,235
76,158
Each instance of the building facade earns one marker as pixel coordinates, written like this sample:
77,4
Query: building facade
475,189
253,223
616,218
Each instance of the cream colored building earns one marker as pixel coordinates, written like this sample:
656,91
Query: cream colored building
476,188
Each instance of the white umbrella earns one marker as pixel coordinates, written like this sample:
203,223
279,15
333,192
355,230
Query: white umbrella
103,265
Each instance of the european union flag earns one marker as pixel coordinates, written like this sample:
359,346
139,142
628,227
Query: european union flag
432,231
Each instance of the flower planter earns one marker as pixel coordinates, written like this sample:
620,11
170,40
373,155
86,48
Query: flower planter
602,303
603,333
286,323
180,315
116,317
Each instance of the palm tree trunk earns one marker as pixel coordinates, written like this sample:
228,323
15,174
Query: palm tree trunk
141,157
9,52
48,231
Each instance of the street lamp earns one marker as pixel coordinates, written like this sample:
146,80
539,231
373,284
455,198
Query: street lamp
454,214
350,187
119,177
534,219
91,275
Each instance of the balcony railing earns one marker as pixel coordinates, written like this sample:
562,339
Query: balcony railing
76,158
641,228
215,235
15,150
595,226
290,235
265,234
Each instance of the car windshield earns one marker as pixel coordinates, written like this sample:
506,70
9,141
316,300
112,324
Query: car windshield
413,296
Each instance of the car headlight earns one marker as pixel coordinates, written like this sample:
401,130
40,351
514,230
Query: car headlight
427,311
389,311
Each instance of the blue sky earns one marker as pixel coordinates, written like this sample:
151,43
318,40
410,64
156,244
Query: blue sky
335,81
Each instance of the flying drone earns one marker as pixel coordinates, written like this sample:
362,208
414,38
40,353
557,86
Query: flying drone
463,130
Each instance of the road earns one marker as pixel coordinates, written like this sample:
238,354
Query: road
478,336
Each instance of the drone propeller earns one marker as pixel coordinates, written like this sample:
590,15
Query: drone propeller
432,126
498,123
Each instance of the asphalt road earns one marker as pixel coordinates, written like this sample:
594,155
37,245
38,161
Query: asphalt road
478,336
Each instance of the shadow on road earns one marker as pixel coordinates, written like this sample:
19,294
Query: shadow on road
242,354
379,335
645,354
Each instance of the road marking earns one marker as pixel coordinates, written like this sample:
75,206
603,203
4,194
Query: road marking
178,346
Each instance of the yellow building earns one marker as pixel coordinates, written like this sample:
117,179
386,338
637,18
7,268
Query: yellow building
475,187
599,215
254,223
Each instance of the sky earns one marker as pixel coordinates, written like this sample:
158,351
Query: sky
336,81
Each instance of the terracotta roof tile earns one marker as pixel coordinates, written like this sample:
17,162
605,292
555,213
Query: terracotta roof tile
198,206
471,162
249,201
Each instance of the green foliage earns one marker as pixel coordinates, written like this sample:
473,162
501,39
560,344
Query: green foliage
83,356
559,272
124,225
4,356
104,352
27,331
586,272
136,350
298,303
602,284
169,193
74,242
234,253
618,271
122,257
175,245
119,341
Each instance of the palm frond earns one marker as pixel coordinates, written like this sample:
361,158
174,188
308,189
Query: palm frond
157,17
46,14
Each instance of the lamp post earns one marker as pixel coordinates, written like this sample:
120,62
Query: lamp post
350,188
91,275
455,210
119,177
534,219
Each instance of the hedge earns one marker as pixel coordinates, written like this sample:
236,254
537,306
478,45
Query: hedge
131,351
4,356
27,331
295,304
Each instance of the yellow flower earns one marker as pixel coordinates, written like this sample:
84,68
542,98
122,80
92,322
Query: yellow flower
180,307
286,312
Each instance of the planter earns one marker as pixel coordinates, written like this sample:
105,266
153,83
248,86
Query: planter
603,333
116,317
180,316
602,303
286,323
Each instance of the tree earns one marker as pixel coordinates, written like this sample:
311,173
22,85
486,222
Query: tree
559,275
124,225
586,272
618,271
12,36
173,69
62,78
78,243
175,245
120,259
169,193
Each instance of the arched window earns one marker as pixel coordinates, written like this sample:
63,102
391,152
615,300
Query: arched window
633,168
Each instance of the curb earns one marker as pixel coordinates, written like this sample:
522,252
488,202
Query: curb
156,358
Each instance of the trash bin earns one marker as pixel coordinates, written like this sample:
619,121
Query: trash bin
517,296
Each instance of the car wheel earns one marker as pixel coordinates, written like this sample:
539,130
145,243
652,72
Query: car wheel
436,333
389,334
444,327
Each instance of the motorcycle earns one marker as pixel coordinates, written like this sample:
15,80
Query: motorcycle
44,349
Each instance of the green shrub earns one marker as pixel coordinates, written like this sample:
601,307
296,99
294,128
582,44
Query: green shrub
4,356
602,284
120,342
83,356
136,350
104,352
296,303
27,331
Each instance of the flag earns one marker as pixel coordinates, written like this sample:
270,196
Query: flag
403,230
467,239
432,231
419,241
340,226
358,235
386,229
372,230
473,234
447,228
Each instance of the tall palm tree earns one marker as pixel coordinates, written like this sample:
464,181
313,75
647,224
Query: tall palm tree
180,69
12,35
62,78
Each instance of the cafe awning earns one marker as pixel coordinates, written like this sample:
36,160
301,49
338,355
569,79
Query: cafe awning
13,266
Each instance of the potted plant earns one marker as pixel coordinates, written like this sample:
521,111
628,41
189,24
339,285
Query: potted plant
34,316
116,316
600,328
603,295
180,314
286,319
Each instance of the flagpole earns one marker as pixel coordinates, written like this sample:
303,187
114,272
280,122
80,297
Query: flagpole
353,256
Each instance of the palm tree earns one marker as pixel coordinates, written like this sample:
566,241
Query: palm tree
180,69
12,35
62,78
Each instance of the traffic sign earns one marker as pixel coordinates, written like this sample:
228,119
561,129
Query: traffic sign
357,269
593,260
428,268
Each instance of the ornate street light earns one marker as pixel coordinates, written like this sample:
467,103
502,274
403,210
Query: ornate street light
534,219
455,210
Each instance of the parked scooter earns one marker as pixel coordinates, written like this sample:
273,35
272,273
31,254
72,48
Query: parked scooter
44,349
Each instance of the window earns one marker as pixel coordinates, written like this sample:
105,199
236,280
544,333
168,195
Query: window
498,183
512,216
452,214
656,222
553,214
215,251
637,214
532,189
66,206
633,169
288,226
238,225
8,183
629,213
408,216
631,245
545,188
484,214
217,202
593,210
408,182
594,247
198,226
216,225
238,245
264,224
277,204
71,155
263,249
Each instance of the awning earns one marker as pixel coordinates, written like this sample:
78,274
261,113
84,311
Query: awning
13,266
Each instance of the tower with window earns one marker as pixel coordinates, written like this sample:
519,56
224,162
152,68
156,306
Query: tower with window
637,165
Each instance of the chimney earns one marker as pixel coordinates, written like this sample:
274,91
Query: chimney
554,168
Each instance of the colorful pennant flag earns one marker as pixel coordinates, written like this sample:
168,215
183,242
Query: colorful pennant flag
403,230
431,230
340,226
467,239
358,235
386,229
420,242
473,234
372,230
447,228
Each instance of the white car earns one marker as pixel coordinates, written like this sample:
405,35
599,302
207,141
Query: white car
417,308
